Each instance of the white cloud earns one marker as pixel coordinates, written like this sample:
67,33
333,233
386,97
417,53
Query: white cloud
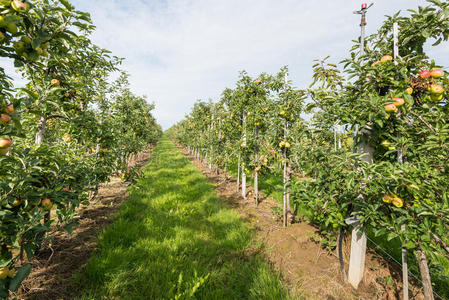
179,51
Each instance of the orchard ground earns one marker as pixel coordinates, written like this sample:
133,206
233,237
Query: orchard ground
174,237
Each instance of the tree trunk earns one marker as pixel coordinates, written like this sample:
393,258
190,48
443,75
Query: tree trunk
37,141
256,172
341,236
425,274
243,181
244,162
40,130
256,187
284,207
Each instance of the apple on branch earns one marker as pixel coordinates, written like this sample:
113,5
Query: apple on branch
424,74
436,73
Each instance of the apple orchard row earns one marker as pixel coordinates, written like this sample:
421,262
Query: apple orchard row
375,142
64,132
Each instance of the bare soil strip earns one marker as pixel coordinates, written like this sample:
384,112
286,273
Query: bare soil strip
54,266
294,251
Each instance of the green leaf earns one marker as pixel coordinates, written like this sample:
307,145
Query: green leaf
21,274
3,291
66,4
391,236
409,245
425,33
18,63
29,250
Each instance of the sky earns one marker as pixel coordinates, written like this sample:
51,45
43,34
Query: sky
179,51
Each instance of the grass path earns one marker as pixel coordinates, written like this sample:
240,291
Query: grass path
175,239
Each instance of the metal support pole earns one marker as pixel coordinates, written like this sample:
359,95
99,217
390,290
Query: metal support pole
358,241
400,159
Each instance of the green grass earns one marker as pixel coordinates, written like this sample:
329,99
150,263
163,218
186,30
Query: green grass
175,239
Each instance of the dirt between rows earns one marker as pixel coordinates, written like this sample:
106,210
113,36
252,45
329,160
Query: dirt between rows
55,264
308,269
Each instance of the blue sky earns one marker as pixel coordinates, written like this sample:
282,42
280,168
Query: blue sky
179,51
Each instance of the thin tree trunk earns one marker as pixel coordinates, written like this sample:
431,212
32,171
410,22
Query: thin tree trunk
256,172
284,207
39,140
289,207
340,253
243,181
339,135
244,162
256,187
238,172
40,130
425,274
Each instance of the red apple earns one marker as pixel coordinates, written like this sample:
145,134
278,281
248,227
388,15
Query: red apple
397,202
54,82
386,58
390,108
387,199
436,89
436,73
5,118
424,74
10,109
20,6
5,143
398,101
